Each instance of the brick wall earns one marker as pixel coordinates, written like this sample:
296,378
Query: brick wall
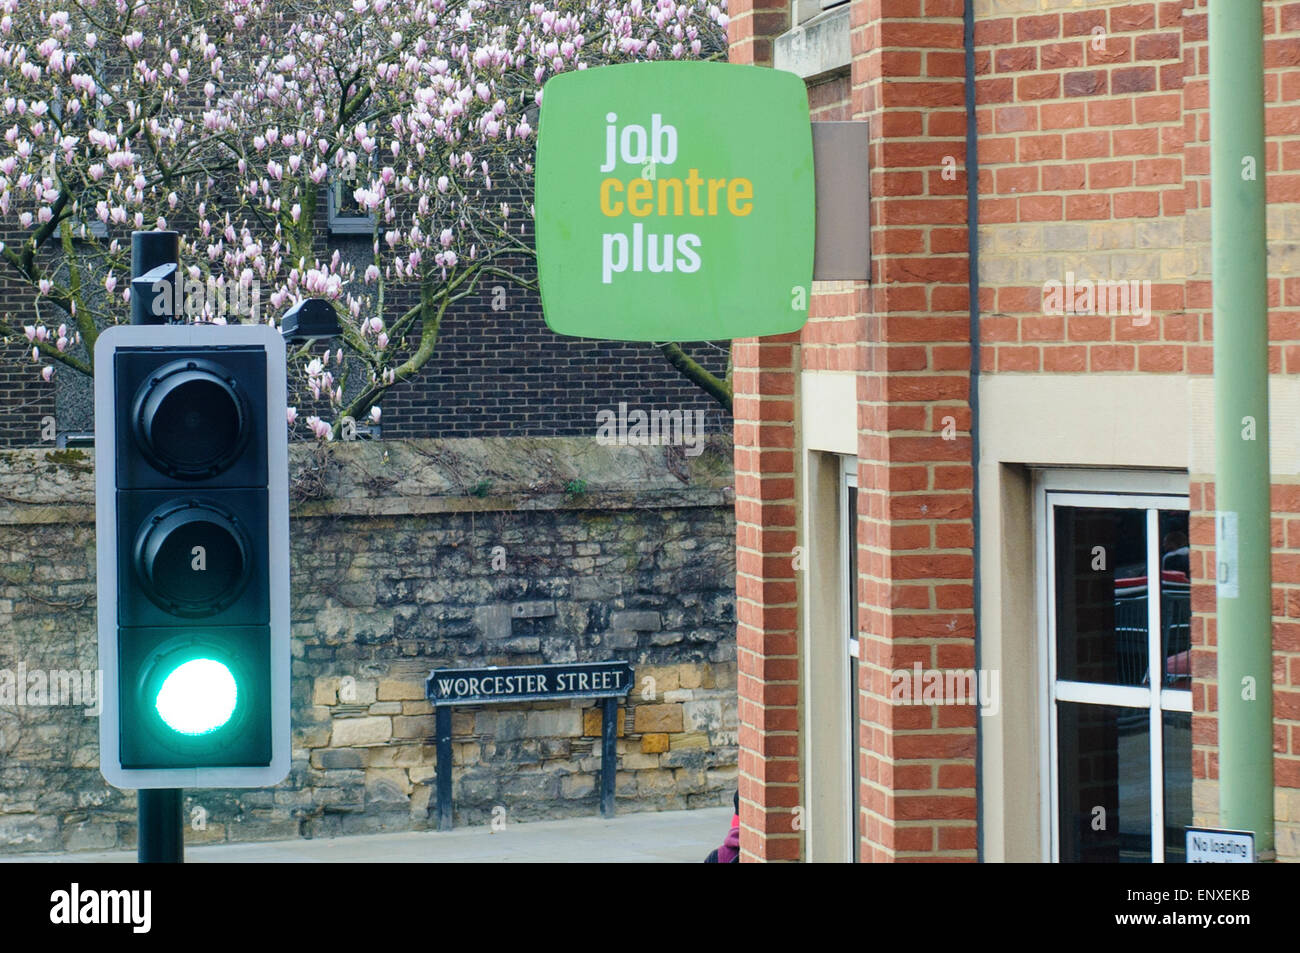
1080,122
1094,159
496,372
906,336
767,628
914,587
1282,131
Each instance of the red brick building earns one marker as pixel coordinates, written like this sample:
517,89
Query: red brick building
971,470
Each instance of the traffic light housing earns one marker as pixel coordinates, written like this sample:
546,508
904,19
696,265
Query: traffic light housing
192,528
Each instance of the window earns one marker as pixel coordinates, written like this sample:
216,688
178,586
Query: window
1115,593
345,216
805,10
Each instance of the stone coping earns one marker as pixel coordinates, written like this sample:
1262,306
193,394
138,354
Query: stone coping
407,477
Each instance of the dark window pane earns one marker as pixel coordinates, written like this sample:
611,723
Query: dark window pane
1178,783
1175,600
1105,787
1101,595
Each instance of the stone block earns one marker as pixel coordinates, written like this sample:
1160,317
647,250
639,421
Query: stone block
655,783
385,708
358,691
666,679
690,780
703,714
325,691
399,755
696,676
91,835
387,788
415,726
561,723
620,639
597,587
493,622
635,761
538,609
370,730
654,743
462,723
465,754
657,718
592,718
638,620
724,778
692,739
337,758
400,689
577,785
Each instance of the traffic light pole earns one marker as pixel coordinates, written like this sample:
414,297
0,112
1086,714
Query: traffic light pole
161,826
1241,473
159,817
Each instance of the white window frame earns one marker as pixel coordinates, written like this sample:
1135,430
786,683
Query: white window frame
1149,490
849,597
805,10
344,223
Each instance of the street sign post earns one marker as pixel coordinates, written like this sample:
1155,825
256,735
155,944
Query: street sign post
608,681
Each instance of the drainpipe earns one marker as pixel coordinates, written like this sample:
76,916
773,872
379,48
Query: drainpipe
973,288
1243,547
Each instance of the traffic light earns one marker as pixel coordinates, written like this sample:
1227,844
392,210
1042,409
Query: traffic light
192,523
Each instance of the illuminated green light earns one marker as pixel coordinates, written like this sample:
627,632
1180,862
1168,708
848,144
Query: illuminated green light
198,697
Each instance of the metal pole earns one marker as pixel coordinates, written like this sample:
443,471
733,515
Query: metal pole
442,729
161,827
608,755
1241,480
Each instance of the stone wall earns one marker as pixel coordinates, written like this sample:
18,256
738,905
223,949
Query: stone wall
409,556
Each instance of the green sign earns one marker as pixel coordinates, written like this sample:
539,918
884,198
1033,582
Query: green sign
675,202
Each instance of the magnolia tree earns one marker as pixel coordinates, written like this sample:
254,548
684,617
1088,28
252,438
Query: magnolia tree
226,120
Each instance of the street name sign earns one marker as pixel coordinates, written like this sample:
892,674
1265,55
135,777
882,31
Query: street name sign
522,683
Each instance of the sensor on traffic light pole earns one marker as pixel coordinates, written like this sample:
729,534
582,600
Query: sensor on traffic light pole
192,519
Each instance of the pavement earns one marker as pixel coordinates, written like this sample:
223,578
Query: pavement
655,838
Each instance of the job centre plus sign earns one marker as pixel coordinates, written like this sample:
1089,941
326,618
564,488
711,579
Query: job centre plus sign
675,202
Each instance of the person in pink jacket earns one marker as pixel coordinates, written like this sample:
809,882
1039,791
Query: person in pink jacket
729,852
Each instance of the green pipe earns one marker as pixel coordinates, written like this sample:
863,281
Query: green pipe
1241,478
